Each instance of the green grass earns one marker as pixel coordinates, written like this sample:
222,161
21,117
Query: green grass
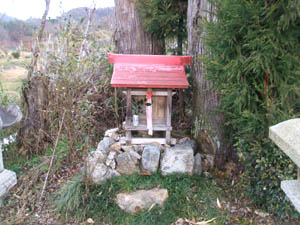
189,196
17,163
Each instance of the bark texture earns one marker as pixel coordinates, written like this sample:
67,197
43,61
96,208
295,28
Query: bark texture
208,126
130,37
35,98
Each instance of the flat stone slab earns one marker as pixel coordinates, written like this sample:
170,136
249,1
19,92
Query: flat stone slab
286,135
292,189
8,179
141,200
150,158
177,160
127,164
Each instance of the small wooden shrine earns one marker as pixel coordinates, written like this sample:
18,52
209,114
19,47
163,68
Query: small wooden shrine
149,80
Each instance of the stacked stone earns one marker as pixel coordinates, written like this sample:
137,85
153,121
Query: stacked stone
113,159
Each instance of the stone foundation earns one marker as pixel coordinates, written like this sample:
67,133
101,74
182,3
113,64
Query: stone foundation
115,159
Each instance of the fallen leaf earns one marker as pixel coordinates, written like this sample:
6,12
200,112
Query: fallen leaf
137,209
145,172
260,213
151,207
90,221
200,223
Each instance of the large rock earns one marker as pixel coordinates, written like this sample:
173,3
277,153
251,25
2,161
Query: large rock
110,160
197,164
96,168
135,155
105,143
141,200
187,144
95,157
150,158
177,160
127,164
101,172
139,148
111,132
116,147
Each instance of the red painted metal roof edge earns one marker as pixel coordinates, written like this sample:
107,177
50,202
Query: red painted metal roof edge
149,86
149,59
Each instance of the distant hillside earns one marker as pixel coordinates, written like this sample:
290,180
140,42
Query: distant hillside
6,18
82,12
103,17
14,32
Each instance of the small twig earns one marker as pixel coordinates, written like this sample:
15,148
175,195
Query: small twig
53,154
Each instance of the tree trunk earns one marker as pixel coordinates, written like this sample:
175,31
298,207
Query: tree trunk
180,38
208,126
130,37
33,131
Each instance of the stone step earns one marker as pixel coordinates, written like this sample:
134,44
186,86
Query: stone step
292,190
286,135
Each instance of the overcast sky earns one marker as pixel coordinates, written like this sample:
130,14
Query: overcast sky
24,9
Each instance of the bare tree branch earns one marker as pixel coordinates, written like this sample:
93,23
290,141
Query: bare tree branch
90,16
36,48
53,155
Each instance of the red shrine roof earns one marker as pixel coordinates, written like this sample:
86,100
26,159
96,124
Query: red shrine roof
149,71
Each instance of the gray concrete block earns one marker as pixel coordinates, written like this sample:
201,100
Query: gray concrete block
286,135
8,179
292,189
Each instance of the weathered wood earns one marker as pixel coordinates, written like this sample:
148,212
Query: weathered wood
128,115
144,127
168,137
128,137
159,107
1,158
138,141
129,107
169,108
211,135
32,135
168,114
130,36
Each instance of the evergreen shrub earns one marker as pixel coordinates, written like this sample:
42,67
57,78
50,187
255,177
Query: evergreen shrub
254,63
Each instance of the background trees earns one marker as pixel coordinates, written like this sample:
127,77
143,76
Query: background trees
165,19
256,71
130,35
